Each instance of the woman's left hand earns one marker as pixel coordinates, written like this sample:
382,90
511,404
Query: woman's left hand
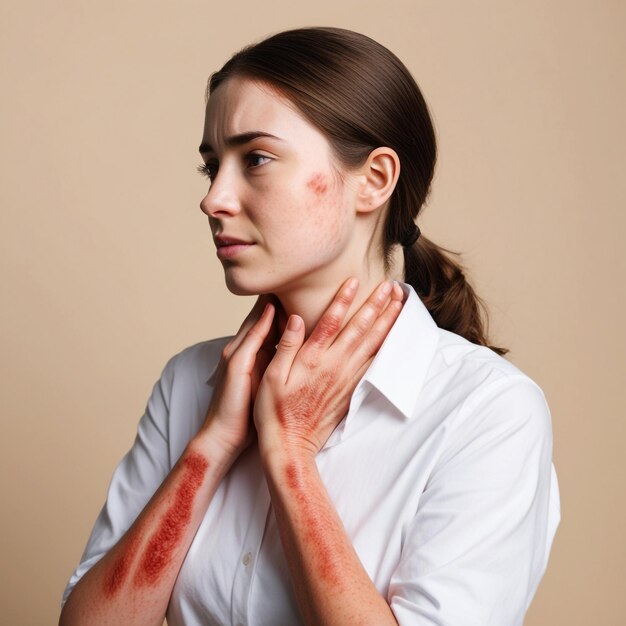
305,390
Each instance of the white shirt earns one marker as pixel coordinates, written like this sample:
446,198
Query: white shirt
441,472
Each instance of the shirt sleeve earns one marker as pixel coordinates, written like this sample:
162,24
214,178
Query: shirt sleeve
136,478
477,548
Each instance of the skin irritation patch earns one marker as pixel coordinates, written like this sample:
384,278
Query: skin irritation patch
161,546
325,211
119,572
165,540
318,527
301,412
318,184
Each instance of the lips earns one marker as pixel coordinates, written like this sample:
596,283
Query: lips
229,248
222,241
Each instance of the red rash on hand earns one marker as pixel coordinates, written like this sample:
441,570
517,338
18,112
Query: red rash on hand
318,184
301,412
164,541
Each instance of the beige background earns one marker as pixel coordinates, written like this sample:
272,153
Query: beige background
109,269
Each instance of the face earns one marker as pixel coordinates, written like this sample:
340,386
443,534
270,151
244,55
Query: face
282,195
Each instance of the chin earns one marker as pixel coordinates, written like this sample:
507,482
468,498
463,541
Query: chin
247,282
248,287
240,290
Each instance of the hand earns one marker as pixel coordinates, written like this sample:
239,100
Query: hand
306,389
241,367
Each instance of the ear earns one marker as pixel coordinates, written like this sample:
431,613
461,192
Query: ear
378,178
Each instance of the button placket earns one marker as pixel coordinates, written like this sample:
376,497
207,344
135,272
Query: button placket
248,557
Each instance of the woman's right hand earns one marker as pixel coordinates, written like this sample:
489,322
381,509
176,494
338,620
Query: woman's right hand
133,582
243,361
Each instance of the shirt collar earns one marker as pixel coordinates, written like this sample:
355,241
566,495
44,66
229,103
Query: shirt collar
399,369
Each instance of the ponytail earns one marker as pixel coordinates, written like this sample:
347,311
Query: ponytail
445,291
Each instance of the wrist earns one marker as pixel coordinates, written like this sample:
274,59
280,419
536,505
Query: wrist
278,441
277,458
211,442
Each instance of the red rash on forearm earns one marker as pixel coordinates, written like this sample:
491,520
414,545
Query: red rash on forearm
318,526
160,547
116,577
300,414
164,541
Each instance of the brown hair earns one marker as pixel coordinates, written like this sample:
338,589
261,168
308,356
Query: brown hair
361,96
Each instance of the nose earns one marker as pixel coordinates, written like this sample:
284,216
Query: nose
221,199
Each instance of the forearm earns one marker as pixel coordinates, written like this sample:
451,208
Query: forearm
133,582
330,583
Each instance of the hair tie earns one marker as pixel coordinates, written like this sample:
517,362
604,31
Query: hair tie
411,238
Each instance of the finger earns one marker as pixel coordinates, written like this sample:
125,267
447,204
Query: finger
287,348
274,335
330,323
360,372
397,293
251,319
244,356
373,340
361,322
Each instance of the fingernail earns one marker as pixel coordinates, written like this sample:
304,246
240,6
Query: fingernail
294,323
386,288
352,283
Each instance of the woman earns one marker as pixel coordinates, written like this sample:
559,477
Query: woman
366,457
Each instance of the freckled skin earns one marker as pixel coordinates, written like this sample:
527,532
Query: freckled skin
324,209
161,546
324,229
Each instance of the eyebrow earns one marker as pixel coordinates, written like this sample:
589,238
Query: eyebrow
238,140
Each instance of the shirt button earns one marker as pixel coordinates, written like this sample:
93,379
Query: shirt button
247,558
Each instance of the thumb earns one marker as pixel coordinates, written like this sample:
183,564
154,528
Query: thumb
289,344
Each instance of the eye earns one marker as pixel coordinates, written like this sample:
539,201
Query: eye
253,156
207,169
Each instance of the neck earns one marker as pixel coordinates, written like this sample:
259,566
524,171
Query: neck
310,298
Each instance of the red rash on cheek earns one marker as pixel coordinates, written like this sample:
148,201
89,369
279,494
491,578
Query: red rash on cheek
325,211
318,184
161,546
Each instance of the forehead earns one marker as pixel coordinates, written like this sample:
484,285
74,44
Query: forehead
242,105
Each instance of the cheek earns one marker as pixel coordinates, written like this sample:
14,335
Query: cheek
308,220
318,184
324,211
